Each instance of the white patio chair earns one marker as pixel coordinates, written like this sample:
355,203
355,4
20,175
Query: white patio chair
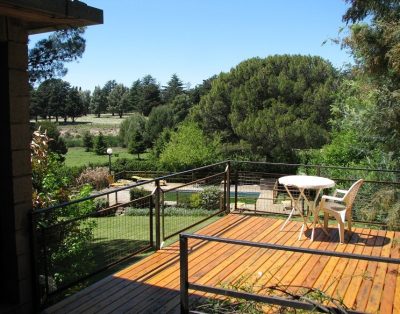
340,207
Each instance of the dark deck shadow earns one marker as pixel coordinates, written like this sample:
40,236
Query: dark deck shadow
353,237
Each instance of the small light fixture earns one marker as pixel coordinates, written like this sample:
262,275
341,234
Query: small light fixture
109,153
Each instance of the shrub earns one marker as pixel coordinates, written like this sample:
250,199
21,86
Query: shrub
88,141
195,200
98,177
100,203
136,193
210,198
124,164
100,146
168,211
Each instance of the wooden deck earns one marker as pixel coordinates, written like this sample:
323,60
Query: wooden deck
152,285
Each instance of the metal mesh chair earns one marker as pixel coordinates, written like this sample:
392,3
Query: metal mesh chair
340,207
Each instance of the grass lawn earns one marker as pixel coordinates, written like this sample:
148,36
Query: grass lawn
107,124
116,236
77,156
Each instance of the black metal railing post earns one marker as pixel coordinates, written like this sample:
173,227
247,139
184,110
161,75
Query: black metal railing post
184,274
318,170
151,229
157,214
228,187
236,187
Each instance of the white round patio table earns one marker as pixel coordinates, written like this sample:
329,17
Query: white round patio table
302,183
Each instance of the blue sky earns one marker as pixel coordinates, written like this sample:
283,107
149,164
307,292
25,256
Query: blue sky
199,38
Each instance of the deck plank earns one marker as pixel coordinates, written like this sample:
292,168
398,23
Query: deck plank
152,284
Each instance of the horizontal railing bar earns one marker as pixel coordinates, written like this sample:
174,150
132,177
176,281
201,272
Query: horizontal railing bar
314,166
266,245
266,299
191,170
37,211
195,181
87,198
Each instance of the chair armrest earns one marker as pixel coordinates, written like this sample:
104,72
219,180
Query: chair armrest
339,191
331,198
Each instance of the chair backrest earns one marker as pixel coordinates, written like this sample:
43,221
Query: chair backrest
351,194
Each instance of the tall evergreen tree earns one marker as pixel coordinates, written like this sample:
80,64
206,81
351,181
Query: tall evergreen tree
174,88
149,96
136,144
98,102
74,106
47,57
107,89
118,100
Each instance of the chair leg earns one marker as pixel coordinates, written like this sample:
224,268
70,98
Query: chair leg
349,222
326,219
341,231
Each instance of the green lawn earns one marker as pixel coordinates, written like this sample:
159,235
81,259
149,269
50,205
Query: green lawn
77,156
115,236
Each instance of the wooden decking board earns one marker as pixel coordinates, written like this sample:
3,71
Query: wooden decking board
261,253
173,278
337,274
396,273
217,257
375,293
172,273
146,267
196,270
295,263
352,296
152,284
363,293
284,262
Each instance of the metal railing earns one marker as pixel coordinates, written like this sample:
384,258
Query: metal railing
185,285
75,240
257,189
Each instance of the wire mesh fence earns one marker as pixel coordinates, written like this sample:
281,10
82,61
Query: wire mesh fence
190,203
76,240
378,201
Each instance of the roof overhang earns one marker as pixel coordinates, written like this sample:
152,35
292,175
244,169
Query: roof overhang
41,16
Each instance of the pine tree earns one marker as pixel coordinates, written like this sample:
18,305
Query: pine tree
88,141
136,144
100,146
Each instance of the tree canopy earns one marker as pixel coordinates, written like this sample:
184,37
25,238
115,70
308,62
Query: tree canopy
277,104
46,59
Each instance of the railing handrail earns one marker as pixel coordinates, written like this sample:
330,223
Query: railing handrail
279,247
185,285
38,211
313,165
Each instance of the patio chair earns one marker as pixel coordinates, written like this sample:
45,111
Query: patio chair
340,207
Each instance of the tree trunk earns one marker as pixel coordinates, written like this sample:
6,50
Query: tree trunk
98,115
138,156
56,118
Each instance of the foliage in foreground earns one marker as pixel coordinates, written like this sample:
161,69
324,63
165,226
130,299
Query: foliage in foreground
63,252
313,296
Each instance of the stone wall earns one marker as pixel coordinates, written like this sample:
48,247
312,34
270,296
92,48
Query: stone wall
16,173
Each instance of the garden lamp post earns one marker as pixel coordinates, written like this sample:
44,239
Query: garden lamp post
109,153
